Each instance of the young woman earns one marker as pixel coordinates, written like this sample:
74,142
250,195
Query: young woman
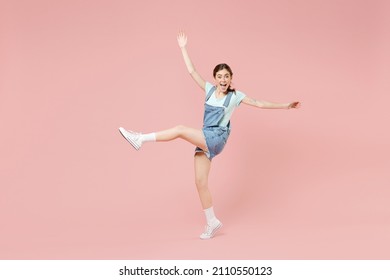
221,100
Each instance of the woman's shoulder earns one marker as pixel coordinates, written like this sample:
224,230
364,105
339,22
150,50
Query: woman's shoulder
239,93
208,86
238,97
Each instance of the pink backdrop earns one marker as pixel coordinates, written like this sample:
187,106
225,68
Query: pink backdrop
302,184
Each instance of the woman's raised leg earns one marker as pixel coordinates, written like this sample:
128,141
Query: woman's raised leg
192,135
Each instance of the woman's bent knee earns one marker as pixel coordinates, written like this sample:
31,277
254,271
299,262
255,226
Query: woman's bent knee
180,129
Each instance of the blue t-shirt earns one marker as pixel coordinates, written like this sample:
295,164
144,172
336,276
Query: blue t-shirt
234,102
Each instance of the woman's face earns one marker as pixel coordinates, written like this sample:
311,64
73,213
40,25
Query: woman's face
223,80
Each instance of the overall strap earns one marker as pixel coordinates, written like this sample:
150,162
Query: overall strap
211,91
227,100
226,103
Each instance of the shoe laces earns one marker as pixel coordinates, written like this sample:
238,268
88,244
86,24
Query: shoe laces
136,135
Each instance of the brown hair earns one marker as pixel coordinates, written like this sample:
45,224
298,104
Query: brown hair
220,67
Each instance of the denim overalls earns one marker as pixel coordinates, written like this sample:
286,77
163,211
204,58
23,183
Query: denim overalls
216,136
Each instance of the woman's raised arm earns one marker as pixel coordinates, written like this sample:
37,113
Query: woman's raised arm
182,41
270,105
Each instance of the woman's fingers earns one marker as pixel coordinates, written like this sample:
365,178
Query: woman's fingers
296,105
181,38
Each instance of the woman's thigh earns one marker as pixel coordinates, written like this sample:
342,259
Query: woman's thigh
194,136
202,168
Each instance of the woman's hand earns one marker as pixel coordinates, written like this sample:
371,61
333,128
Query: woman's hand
294,105
182,39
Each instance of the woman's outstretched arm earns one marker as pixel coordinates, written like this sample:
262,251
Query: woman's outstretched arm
182,41
269,105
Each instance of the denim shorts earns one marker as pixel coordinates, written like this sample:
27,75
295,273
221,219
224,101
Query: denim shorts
216,138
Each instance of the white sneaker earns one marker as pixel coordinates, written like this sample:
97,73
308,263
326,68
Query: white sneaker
134,138
210,231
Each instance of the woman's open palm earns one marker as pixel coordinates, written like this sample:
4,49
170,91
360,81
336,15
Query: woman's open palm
182,39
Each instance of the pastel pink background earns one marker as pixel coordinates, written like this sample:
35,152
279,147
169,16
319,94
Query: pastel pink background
311,183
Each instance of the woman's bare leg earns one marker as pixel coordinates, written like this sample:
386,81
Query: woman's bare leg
202,169
192,135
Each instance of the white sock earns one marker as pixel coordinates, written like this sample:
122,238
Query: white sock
150,137
210,216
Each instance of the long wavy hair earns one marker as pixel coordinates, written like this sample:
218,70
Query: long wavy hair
220,67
